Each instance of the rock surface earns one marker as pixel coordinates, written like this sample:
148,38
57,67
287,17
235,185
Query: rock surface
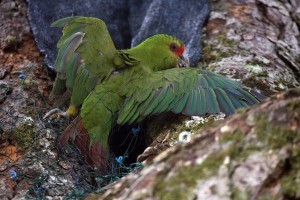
128,22
256,41
183,19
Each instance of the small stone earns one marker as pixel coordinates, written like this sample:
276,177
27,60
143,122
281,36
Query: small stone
5,90
5,192
4,165
248,36
225,129
10,42
4,70
64,165
8,6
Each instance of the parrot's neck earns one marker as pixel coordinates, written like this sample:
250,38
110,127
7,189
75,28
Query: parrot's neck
141,53
148,62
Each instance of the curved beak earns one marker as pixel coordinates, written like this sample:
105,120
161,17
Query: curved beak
183,60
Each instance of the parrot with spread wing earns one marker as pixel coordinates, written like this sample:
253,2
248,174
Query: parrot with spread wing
145,90
87,56
117,87
140,92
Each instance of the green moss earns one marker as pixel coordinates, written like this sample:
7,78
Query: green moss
260,62
297,59
294,106
182,184
276,135
291,181
210,123
267,197
197,127
253,82
262,74
236,194
11,41
256,69
214,52
210,54
25,135
272,135
287,84
236,137
239,148
226,42
159,126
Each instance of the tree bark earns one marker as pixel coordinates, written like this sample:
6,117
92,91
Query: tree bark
253,154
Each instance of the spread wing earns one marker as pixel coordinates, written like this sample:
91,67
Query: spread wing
186,90
84,57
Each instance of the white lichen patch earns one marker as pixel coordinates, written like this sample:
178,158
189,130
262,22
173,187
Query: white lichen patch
281,86
223,169
195,120
226,160
263,59
219,116
201,159
214,188
225,129
256,69
28,119
185,136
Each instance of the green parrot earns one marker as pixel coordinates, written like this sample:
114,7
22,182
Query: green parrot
140,92
126,86
87,56
152,85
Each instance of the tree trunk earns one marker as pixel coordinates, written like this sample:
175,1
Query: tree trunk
253,154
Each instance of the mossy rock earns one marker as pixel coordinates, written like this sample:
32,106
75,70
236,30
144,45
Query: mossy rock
25,135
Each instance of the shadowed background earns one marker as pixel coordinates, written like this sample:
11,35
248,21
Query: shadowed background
129,22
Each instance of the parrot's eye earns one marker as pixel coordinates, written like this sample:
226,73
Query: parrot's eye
174,47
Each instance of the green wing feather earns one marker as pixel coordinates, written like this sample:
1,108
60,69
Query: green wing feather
98,113
85,56
188,91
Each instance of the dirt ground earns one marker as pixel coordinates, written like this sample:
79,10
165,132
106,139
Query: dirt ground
27,151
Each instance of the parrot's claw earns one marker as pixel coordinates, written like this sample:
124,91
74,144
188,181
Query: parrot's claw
55,114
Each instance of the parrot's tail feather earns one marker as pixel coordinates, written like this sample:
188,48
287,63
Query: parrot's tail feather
99,156
95,154
71,131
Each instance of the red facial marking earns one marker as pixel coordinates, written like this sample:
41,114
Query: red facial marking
180,50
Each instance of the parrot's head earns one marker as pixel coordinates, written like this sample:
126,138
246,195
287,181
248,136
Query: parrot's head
164,52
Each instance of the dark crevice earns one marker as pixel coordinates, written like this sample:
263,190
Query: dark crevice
295,71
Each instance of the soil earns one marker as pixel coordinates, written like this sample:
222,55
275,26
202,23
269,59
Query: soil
26,145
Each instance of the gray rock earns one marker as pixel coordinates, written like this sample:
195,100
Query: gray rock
43,13
128,22
182,19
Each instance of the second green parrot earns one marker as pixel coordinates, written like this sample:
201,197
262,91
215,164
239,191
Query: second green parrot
87,56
